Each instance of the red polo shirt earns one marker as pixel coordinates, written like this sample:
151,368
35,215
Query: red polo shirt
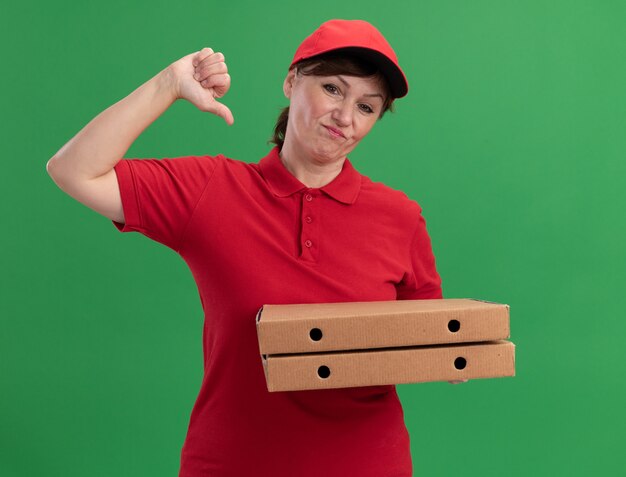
252,234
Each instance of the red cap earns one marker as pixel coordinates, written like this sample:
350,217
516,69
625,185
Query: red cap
360,38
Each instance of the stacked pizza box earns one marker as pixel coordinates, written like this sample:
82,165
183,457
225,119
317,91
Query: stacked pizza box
338,345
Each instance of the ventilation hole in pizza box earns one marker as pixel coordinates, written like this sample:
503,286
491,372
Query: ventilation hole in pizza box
315,334
323,372
454,325
460,363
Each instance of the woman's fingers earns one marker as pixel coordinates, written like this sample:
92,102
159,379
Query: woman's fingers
201,55
204,71
208,63
219,82
227,115
209,71
222,111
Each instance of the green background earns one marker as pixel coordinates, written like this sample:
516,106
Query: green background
511,138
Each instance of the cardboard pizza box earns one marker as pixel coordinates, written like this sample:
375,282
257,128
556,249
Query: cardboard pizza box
314,328
418,364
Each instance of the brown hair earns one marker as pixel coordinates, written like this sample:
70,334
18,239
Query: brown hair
330,64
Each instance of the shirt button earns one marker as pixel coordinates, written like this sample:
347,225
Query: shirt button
308,243
308,219
308,197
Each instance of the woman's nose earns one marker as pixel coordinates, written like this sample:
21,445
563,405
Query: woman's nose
343,114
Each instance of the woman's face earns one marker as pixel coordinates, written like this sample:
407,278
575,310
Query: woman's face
329,115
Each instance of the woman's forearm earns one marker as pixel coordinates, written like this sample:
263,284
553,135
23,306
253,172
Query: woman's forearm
96,148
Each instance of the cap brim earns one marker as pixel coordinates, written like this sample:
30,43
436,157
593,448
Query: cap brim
395,76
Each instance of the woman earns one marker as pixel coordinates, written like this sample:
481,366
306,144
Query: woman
300,226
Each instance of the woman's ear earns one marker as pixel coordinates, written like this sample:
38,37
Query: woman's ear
288,83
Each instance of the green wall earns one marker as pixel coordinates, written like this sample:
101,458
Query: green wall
511,138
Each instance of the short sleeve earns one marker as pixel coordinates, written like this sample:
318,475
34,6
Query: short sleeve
421,280
160,195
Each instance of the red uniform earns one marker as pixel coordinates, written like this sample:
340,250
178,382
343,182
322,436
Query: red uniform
252,234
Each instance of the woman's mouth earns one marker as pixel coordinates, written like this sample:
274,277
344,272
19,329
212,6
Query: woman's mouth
335,132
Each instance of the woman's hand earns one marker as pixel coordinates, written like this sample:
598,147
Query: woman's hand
200,78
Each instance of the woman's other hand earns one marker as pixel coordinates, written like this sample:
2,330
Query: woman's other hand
200,78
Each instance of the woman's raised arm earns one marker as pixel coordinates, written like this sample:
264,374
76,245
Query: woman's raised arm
83,168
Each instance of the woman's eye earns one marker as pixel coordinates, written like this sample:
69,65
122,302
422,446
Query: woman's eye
331,88
366,108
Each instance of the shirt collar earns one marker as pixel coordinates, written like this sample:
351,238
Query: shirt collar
344,188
